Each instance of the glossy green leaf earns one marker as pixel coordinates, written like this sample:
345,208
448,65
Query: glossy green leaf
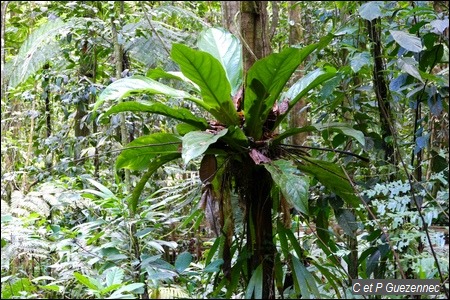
141,151
409,65
183,128
114,275
406,40
370,10
359,60
179,113
332,177
132,287
273,72
207,72
89,282
303,86
293,186
226,48
183,261
195,143
333,127
138,85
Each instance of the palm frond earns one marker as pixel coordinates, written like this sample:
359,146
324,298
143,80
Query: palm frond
148,48
37,50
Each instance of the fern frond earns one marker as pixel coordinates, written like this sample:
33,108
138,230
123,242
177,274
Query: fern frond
148,49
22,243
172,292
37,50
181,13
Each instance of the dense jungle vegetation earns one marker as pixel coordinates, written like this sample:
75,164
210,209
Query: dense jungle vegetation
222,149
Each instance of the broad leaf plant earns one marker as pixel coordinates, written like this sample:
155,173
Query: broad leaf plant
240,148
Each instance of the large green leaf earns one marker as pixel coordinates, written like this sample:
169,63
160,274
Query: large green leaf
333,126
179,113
114,275
195,143
370,10
293,186
265,81
332,177
272,72
226,48
140,152
139,85
303,86
406,40
207,72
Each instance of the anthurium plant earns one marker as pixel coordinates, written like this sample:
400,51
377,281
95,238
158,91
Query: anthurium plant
240,148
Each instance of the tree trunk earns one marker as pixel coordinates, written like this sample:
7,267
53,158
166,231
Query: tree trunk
381,89
118,55
231,16
256,180
298,114
255,184
254,32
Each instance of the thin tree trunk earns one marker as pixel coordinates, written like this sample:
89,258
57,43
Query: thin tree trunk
381,90
254,32
257,181
118,55
298,115
231,16
3,58
48,113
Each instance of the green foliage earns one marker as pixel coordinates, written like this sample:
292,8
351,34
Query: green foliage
207,72
72,229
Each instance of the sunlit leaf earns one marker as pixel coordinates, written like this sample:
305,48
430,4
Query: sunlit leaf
226,48
406,40
89,282
141,151
308,82
272,73
207,72
370,10
179,113
195,143
137,85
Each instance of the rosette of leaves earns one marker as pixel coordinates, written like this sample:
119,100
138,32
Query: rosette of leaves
241,147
